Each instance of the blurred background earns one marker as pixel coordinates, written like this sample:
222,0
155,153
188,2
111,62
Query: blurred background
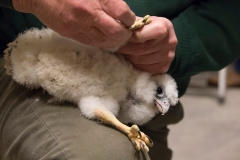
210,129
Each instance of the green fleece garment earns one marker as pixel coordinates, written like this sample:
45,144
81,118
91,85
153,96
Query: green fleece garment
208,32
6,3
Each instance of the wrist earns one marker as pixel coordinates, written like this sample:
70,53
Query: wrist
25,6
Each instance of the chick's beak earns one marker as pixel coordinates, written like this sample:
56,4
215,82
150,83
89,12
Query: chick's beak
162,104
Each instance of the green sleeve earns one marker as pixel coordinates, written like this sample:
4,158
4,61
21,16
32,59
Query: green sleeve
6,3
208,35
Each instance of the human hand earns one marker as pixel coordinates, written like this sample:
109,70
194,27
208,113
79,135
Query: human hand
91,22
152,48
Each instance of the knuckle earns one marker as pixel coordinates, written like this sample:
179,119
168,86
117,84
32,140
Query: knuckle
168,56
171,56
161,29
173,41
172,38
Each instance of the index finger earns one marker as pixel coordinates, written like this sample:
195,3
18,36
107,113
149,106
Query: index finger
111,28
119,10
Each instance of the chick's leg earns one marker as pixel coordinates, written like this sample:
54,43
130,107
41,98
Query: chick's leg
138,138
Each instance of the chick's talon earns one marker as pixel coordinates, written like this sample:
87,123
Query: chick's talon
150,140
140,145
139,133
144,147
139,139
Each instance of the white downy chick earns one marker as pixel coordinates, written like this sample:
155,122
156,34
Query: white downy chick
88,76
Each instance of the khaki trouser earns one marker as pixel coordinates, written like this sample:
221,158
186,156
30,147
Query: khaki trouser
32,129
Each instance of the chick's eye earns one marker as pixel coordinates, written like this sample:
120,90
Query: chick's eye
159,90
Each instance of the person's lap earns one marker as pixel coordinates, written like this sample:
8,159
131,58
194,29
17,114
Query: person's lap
30,128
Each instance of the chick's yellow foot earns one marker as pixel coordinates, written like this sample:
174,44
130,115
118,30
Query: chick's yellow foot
140,23
140,140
